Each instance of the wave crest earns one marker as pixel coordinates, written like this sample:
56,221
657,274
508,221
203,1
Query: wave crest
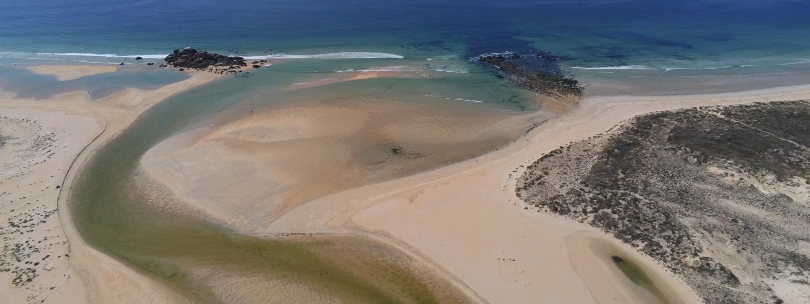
339,55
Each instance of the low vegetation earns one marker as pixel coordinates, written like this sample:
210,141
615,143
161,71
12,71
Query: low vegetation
718,195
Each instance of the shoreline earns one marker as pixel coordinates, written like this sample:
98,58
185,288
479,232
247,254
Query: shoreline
109,268
86,266
363,210
684,84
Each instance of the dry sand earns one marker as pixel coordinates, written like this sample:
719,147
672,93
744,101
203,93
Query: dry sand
70,72
46,142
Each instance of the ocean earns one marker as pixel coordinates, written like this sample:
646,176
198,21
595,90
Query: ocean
593,37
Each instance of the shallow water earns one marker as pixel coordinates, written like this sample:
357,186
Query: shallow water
26,84
635,274
130,218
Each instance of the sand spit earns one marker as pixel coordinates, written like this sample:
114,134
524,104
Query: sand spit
44,142
70,72
467,213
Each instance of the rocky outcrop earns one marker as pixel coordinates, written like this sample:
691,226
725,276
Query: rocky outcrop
535,72
190,58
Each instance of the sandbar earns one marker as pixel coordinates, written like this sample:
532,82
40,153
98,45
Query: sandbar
70,72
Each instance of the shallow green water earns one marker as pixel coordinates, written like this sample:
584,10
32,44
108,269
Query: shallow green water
632,272
639,277
115,218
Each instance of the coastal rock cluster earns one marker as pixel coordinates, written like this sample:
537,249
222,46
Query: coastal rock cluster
536,72
718,195
189,58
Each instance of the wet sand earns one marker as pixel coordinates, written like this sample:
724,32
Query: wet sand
70,72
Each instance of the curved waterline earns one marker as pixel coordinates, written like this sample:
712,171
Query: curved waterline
113,216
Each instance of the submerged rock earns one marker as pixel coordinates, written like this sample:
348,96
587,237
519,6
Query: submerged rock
535,72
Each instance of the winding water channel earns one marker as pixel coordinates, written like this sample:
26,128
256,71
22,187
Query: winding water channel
193,255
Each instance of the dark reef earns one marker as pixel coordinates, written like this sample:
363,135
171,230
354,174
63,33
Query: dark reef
189,58
718,195
537,72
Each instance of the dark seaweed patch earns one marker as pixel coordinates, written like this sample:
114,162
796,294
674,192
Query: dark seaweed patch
538,72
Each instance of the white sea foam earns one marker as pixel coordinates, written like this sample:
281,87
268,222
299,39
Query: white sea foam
405,68
621,67
458,99
395,68
445,57
796,62
697,68
665,68
150,56
340,55
451,69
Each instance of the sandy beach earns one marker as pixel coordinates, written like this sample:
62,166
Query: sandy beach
46,141
463,219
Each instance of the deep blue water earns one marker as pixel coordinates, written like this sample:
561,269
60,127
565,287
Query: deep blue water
589,33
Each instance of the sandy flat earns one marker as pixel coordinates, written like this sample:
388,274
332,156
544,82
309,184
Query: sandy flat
466,218
45,143
70,72
252,170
